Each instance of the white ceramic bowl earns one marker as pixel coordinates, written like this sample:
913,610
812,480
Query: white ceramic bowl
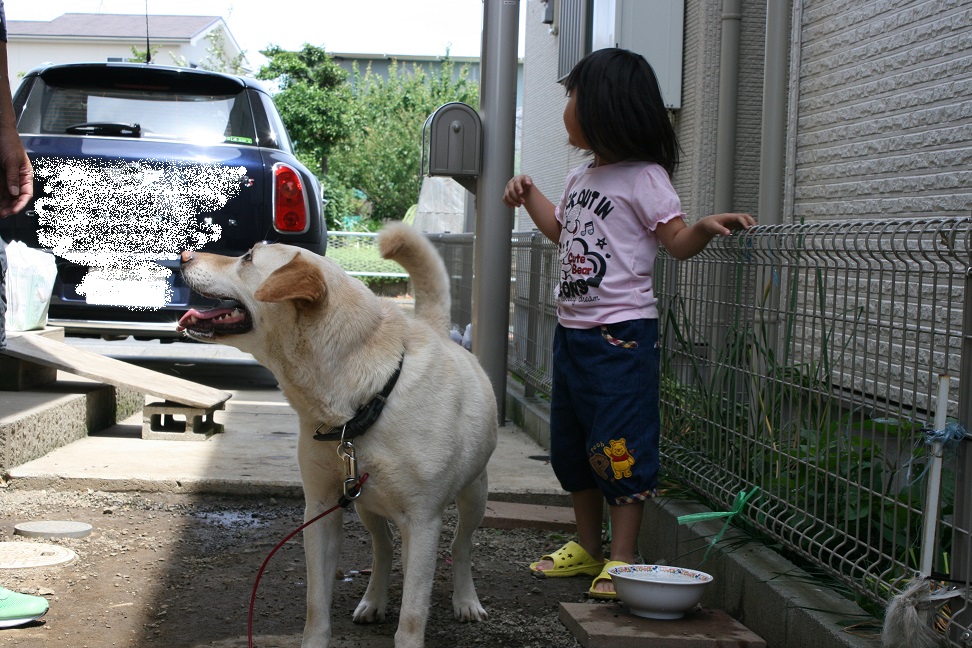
658,591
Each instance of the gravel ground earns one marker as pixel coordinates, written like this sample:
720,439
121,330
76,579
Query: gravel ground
178,571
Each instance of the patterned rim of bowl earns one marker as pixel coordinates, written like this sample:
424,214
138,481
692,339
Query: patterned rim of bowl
632,570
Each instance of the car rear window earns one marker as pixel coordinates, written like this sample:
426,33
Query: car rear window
171,106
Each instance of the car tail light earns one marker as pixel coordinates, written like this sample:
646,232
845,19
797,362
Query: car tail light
289,201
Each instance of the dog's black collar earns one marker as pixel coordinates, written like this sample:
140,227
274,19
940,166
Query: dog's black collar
366,415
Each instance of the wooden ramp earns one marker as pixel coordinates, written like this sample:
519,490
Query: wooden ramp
52,353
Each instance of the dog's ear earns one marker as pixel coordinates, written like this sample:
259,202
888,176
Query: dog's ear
298,281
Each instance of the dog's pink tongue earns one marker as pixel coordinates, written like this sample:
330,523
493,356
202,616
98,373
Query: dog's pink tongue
194,315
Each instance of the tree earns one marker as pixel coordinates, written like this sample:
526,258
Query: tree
382,156
143,56
314,99
366,129
216,59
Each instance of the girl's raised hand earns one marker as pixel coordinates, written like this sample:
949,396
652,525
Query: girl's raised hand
516,190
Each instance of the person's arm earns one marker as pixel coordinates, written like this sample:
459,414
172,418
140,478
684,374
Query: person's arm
520,191
684,241
18,186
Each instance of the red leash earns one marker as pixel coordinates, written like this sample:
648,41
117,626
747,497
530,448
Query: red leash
343,502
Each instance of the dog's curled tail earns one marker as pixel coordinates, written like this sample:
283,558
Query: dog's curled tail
430,281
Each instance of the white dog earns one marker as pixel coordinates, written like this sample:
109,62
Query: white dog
333,347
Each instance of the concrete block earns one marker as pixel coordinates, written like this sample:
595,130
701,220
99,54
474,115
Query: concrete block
176,422
21,375
532,415
599,625
511,515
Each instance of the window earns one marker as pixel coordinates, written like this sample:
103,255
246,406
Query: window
162,111
652,28
575,35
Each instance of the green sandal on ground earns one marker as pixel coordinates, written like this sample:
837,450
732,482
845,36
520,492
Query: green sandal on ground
604,576
569,560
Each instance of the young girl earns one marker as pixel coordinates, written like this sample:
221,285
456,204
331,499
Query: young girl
614,212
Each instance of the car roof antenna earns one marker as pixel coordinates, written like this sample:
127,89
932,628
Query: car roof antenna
148,47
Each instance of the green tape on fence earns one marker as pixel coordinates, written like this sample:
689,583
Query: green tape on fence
741,499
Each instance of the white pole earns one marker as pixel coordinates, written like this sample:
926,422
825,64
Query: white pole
934,487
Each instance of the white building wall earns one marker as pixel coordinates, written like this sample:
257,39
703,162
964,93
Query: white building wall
545,156
24,54
884,121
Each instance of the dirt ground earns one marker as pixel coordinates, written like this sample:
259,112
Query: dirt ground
178,571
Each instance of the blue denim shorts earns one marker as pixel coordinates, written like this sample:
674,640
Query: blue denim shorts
604,420
3,295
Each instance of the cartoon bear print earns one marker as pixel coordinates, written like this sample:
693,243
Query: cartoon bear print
621,460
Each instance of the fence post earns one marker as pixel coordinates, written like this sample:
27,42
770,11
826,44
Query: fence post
962,529
533,313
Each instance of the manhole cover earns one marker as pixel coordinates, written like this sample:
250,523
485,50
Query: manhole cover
53,529
18,555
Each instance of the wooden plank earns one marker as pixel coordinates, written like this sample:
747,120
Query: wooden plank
42,350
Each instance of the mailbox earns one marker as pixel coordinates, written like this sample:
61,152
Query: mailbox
452,144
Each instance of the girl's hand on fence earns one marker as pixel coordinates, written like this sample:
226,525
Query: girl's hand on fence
724,224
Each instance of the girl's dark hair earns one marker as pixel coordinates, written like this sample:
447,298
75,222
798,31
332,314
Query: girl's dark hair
620,108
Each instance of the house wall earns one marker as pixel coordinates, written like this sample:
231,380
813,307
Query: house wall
24,54
545,155
882,128
879,114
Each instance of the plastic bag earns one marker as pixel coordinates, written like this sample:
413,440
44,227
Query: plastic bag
30,282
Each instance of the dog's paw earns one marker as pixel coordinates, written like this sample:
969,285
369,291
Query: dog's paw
469,611
367,612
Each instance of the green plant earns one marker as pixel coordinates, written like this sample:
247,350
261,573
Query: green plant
382,154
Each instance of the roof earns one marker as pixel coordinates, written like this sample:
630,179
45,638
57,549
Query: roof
96,25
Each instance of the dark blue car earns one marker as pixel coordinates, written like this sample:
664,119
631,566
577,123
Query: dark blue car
135,163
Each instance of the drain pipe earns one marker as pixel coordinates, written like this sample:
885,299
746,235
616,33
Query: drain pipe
772,148
725,153
725,162
492,252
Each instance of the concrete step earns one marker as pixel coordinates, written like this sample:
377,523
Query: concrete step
515,515
36,422
609,625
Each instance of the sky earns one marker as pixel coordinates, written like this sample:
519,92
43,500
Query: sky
403,27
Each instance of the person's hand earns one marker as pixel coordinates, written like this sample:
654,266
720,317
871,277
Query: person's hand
724,224
17,187
516,190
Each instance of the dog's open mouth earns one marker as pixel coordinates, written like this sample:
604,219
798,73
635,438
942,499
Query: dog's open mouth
230,318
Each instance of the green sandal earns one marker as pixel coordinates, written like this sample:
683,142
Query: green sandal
569,560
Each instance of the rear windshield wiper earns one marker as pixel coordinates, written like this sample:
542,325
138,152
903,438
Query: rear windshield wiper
104,128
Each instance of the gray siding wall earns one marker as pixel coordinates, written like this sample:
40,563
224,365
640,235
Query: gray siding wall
880,115
883,126
697,121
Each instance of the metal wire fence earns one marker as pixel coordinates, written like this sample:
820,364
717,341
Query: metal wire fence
357,253
807,361
819,365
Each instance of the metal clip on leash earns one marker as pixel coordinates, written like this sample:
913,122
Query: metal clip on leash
352,482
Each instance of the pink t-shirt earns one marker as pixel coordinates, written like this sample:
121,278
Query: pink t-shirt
608,244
